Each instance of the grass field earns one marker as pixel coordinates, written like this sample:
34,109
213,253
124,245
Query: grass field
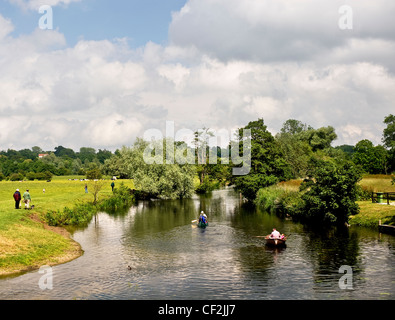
378,183
25,242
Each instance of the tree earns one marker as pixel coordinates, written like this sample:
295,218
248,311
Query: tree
103,155
86,154
296,152
268,165
61,151
37,150
152,176
389,140
331,191
347,150
95,187
200,142
321,138
94,173
389,132
372,159
294,127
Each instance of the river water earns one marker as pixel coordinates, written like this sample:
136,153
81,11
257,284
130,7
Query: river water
153,251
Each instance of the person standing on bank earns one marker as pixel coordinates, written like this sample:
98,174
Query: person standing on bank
112,186
17,197
27,199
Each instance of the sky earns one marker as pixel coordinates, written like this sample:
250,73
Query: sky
106,72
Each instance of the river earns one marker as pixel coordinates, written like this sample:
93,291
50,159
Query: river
153,251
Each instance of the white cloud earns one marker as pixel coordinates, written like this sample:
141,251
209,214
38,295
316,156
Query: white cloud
111,131
36,4
282,30
6,27
228,62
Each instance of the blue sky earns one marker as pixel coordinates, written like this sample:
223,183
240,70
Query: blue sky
138,20
196,63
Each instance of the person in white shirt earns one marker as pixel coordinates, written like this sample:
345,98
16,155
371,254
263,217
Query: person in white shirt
275,234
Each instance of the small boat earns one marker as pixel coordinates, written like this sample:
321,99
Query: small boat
275,241
202,224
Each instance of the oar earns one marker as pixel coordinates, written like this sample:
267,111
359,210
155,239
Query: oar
193,221
286,236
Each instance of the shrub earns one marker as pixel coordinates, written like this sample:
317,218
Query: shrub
331,192
40,176
16,177
121,198
30,176
207,186
268,198
364,193
94,174
79,215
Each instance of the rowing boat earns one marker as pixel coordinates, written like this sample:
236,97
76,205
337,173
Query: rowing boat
275,242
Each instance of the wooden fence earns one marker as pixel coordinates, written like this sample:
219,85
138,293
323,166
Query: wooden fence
383,197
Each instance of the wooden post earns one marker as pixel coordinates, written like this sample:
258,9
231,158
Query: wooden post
388,198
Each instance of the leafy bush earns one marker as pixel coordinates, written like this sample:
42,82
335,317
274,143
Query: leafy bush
275,198
94,174
364,193
268,198
31,176
330,192
79,215
16,177
121,198
207,186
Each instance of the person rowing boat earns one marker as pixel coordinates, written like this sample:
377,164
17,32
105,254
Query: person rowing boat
275,238
202,220
276,235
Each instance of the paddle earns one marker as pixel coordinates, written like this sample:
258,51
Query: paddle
286,236
193,221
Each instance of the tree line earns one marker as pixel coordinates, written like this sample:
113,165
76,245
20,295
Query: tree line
26,163
276,158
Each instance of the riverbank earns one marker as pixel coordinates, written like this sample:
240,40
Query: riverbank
285,197
26,240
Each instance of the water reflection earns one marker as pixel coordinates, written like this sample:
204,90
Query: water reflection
170,258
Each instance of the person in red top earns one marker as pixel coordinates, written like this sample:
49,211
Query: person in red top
17,198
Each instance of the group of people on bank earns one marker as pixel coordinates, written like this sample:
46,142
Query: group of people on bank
26,199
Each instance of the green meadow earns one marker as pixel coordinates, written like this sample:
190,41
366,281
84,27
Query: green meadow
371,213
26,242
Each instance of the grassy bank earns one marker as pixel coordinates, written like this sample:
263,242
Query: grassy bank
285,197
370,213
25,241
